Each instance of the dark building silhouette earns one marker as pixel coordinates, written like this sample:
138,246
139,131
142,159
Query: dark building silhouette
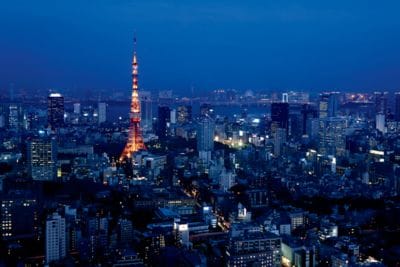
164,117
397,106
380,101
308,112
279,116
55,110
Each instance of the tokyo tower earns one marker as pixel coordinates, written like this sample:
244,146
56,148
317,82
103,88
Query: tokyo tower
135,139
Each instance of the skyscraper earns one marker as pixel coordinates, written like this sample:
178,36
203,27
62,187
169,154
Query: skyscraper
328,104
102,112
147,110
55,110
42,157
380,122
135,139
15,116
279,116
205,138
205,135
308,112
55,238
184,114
397,106
380,102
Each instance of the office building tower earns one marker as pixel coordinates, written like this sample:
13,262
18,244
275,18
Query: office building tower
55,238
102,112
279,140
279,117
328,104
55,110
184,114
77,108
397,106
380,102
205,138
42,158
15,116
308,112
380,122
147,110
163,120
172,117
205,135
332,139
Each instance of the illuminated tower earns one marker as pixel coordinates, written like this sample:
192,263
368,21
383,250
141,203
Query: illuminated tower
135,139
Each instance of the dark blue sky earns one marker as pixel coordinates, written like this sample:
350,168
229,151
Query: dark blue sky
307,45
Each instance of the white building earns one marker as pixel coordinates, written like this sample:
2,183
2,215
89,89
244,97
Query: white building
55,238
380,122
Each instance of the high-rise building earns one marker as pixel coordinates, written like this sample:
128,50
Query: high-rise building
42,158
205,138
102,112
205,135
135,140
163,119
55,238
55,110
147,110
15,116
328,104
279,140
172,116
397,106
332,139
184,114
380,122
280,116
308,112
380,102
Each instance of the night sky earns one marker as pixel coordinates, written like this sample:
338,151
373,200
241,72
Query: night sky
208,44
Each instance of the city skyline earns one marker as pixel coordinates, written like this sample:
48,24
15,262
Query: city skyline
253,133
261,45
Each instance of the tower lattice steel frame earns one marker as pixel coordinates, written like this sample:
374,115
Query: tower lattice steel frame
135,139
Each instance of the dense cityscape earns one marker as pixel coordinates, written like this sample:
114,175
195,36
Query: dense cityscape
232,178
233,133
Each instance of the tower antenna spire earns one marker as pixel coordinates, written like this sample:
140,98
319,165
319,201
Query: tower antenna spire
134,42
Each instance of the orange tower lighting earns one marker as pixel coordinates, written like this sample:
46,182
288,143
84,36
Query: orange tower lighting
135,139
